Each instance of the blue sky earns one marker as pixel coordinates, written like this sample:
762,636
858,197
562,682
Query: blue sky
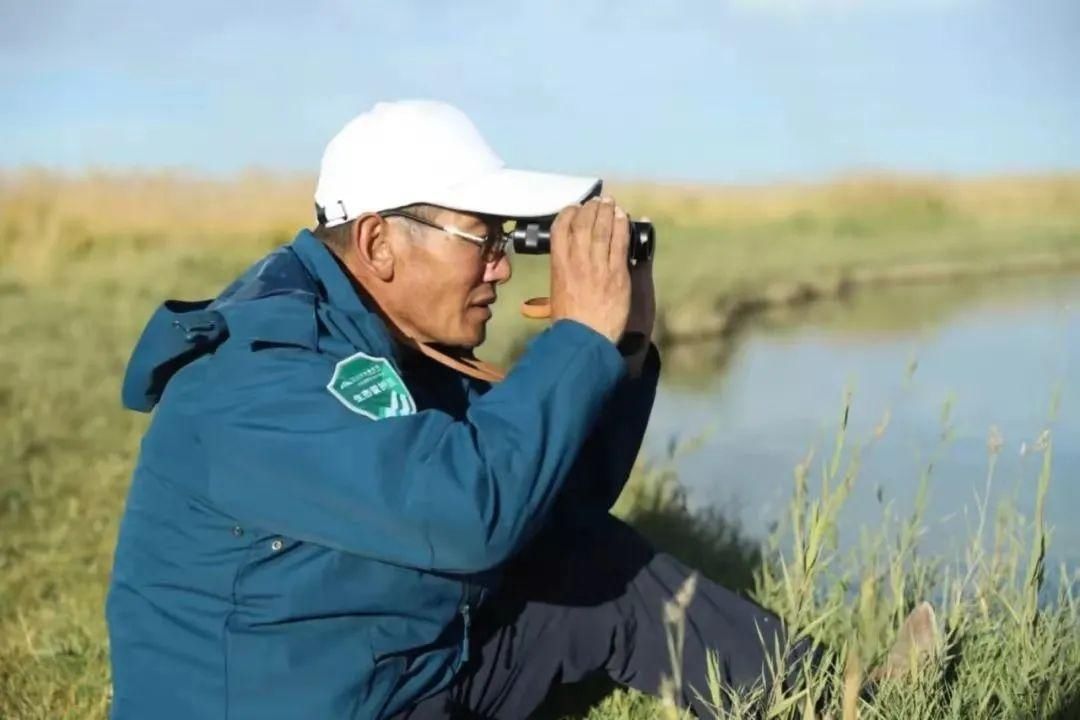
740,91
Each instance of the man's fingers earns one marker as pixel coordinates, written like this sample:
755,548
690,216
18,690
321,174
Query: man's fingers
585,219
601,232
560,234
620,238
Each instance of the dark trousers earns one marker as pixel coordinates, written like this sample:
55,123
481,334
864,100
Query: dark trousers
573,607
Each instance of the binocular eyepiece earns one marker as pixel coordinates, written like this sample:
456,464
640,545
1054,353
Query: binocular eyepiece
534,238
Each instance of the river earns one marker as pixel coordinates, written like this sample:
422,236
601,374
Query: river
930,371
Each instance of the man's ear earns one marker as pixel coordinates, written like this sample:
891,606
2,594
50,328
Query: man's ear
371,243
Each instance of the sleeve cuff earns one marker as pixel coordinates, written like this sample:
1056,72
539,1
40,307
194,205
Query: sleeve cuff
650,369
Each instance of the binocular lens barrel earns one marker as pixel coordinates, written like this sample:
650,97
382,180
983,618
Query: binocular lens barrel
535,239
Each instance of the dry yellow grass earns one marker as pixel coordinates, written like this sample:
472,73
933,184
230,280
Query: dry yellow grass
993,199
153,203
35,204
717,243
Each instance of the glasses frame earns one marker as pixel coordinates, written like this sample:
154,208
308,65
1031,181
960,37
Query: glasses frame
491,249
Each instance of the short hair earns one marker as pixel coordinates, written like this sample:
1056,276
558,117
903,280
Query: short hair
337,237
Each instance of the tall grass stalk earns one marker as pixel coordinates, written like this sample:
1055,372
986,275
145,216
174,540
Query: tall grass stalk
1007,649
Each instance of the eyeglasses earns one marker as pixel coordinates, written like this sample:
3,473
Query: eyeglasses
493,247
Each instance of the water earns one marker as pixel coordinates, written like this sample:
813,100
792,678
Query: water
922,363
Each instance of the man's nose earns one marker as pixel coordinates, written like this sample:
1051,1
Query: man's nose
498,271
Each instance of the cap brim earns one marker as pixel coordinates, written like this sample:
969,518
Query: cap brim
517,193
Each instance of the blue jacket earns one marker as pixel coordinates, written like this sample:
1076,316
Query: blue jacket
283,556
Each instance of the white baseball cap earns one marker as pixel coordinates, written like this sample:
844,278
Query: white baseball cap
423,151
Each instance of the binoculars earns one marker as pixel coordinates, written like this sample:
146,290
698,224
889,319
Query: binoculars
534,238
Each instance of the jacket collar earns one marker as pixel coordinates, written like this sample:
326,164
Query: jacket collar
324,267
341,296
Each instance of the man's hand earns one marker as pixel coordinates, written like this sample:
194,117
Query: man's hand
590,282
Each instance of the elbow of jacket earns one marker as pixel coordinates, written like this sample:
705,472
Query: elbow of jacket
484,533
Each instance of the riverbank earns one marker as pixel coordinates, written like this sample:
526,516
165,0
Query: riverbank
731,313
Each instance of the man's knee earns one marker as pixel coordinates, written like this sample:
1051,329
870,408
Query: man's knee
589,568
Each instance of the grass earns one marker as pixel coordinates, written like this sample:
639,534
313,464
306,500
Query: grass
1009,638
84,260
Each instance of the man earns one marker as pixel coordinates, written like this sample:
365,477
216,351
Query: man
334,515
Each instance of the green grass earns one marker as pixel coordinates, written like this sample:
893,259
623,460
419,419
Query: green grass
75,288
1010,625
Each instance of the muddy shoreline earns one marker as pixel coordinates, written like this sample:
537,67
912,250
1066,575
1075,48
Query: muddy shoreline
731,313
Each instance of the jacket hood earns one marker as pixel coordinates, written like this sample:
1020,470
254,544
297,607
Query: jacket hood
274,301
177,334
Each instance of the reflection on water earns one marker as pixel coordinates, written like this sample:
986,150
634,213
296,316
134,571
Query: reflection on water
936,367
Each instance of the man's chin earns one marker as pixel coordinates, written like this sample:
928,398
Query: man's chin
476,339
469,339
